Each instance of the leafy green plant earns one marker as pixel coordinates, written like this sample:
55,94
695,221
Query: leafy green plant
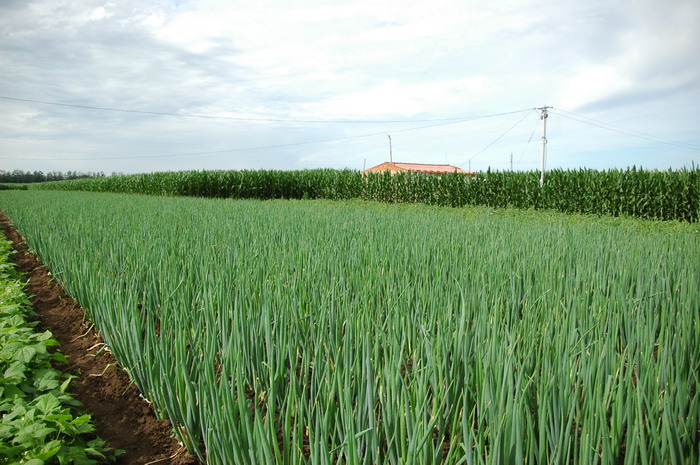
38,419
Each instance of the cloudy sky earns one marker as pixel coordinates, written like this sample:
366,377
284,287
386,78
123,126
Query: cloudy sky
154,85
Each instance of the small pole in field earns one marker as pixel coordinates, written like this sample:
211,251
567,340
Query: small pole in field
511,161
364,165
391,155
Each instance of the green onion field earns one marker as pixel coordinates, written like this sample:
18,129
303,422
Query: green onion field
358,332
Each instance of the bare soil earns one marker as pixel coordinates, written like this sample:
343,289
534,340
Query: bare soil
123,418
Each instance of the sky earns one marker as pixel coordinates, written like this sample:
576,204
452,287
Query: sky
135,86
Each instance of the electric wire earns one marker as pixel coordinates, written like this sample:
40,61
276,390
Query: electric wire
620,130
275,146
498,138
537,123
251,119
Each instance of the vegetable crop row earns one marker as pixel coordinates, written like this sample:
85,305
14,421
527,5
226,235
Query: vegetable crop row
39,419
297,332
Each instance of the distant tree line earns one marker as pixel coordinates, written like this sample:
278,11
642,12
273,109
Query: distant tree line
19,176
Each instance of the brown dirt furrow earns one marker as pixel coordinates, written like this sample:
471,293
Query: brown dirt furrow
122,417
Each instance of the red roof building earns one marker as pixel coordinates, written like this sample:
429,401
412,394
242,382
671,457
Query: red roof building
397,167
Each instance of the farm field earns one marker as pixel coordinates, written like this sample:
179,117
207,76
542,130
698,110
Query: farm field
653,195
291,331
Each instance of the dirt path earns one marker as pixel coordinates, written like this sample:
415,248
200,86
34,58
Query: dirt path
123,418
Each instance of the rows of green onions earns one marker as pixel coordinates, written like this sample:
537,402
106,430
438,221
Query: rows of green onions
664,195
299,332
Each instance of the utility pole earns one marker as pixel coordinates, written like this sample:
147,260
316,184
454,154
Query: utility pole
391,155
511,161
543,117
470,166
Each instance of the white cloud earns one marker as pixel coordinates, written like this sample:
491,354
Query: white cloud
348,59
650,57
392,97
594,83
155,20
99,13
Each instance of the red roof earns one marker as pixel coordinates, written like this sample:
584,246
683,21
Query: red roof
430,168
416,167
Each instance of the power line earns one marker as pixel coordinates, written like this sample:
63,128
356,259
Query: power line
620,130
291,144
241,118
528,142
498,138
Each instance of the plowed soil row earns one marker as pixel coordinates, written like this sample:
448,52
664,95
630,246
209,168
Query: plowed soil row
123,418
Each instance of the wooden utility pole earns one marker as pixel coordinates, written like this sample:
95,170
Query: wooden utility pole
543,117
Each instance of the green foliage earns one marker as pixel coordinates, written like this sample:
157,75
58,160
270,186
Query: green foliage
19,176
18,187
37,416
298,332
660,195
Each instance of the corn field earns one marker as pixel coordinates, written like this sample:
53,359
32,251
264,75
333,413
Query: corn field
661,195
297,332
